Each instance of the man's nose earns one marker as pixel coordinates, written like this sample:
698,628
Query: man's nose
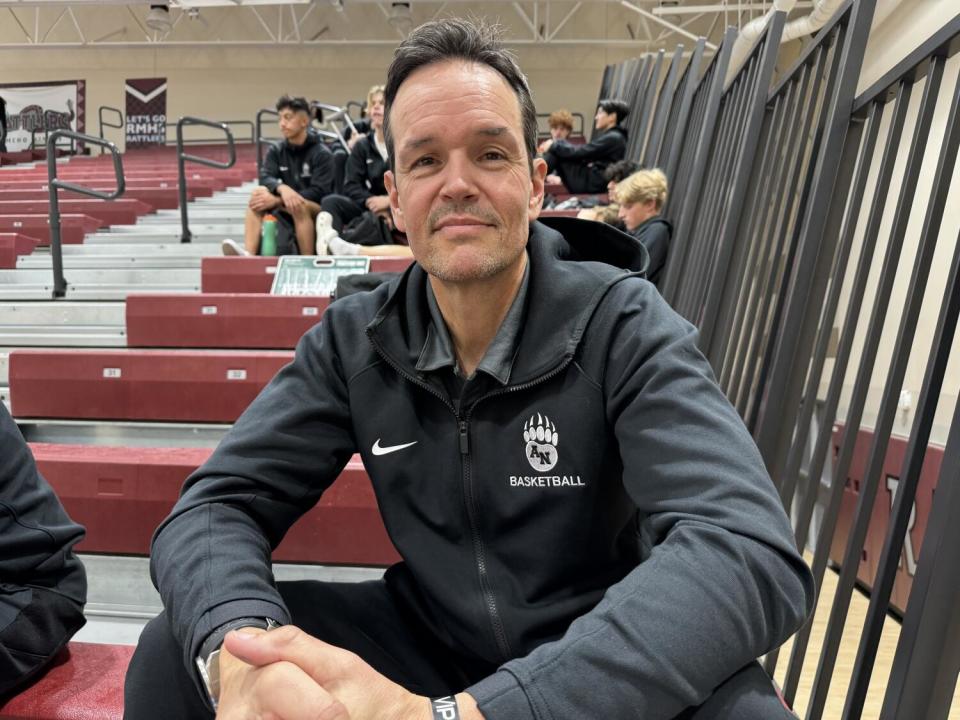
458,179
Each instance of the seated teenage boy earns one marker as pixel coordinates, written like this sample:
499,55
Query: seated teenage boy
296,174
580,167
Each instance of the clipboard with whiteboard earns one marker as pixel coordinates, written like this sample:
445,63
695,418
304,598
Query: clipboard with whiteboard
314,274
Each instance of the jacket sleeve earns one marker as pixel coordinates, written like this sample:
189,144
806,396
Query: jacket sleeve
43,586
270,170
210,558
321,175
599,148
723,582
355,176
657,241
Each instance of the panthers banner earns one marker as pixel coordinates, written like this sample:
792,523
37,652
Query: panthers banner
35,109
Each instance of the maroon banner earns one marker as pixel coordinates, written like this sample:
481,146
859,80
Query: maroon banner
146,112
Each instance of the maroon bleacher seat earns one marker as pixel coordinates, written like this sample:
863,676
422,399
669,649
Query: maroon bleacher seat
84,683
559,213
124,211
158,385
255,274
121,494
161,198
15,158
249,321
73,227
12,245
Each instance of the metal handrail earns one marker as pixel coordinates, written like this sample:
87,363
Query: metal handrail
205,141
108,124
357,104
182,158
261,141
336,113
54,184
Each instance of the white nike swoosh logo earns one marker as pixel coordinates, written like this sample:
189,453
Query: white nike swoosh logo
378,450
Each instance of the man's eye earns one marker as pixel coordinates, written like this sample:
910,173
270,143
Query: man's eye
422,162
493,155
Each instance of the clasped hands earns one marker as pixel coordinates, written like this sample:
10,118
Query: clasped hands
286,674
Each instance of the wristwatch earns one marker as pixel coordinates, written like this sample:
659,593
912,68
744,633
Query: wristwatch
209,666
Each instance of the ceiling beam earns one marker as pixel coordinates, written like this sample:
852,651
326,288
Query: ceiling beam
672,26
17,20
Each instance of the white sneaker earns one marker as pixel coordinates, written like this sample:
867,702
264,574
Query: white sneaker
325,232
231,247
339,246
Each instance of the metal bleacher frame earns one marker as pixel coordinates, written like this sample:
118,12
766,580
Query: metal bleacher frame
758,263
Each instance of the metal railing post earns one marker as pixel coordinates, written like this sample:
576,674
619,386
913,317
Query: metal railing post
54,185
182,158
261,140
108,124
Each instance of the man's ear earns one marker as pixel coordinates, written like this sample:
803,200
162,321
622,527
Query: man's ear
390,183
537,175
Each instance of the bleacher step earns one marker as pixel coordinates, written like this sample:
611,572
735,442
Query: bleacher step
131,278
128,433
121,598
109,262
196,228
155,237
166,249
93,292
70,336
63,313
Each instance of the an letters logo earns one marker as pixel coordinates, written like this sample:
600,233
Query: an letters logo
445,707
541,438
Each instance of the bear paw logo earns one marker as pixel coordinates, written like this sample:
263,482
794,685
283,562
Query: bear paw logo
541,437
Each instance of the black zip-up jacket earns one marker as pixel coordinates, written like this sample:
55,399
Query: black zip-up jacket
306,168
43,586
363,177
621,566
604,148
655,234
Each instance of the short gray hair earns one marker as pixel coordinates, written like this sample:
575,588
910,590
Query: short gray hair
458,39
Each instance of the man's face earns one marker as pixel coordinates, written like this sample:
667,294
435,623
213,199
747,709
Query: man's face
559,132
461,188
292,122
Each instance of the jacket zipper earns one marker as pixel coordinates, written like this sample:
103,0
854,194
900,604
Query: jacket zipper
499,632
479,551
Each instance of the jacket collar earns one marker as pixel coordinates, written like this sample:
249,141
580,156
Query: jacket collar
569,274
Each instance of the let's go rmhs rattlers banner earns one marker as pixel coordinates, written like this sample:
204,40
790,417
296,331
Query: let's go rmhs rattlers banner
33,109
146,112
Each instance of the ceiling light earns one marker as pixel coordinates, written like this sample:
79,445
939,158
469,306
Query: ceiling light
158,18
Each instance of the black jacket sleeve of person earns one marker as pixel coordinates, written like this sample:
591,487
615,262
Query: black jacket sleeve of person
609,146
43,586
363,177
270,170
655,235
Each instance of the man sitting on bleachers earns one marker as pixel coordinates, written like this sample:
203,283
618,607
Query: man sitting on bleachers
580,167
43,586
296,174
587,528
